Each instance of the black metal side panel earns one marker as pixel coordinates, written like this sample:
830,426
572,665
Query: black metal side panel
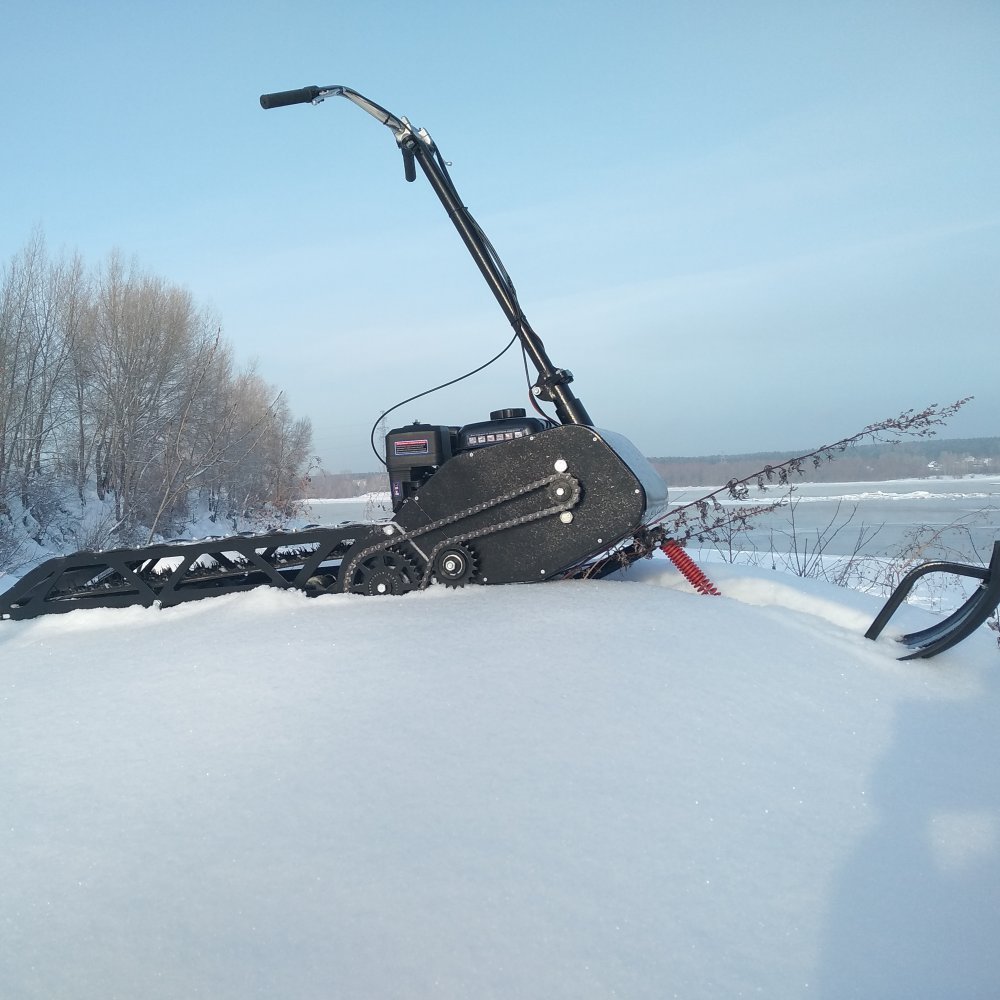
512,543
653,485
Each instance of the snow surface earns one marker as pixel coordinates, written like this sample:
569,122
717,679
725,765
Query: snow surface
596,789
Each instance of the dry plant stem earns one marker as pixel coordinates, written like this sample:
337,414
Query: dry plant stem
701,517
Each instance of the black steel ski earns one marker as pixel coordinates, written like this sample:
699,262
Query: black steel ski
958,625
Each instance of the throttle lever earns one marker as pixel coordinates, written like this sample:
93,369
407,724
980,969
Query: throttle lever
409,167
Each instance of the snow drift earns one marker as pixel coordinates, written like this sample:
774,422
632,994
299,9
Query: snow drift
579,790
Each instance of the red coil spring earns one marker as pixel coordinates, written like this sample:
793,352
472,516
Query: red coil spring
686,565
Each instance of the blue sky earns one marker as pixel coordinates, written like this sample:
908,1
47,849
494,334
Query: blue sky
743,226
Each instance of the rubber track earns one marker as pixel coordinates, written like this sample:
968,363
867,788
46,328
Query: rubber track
173,572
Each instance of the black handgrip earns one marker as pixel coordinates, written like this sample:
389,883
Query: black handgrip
305,95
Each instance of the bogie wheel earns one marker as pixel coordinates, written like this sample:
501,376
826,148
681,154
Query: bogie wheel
387,573
456,566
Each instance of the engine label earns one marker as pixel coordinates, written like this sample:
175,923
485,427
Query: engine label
412,446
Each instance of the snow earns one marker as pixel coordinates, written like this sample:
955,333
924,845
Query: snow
596,789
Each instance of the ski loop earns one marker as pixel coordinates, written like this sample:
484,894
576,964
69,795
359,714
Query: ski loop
976,610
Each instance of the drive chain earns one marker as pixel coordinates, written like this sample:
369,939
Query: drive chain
408,536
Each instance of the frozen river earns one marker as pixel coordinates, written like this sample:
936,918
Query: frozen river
965,512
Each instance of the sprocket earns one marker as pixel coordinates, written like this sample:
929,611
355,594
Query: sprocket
384,574
456,565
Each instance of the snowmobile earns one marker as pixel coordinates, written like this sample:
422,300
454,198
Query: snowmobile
511,499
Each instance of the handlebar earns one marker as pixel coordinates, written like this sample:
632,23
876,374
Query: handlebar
416,144
281,99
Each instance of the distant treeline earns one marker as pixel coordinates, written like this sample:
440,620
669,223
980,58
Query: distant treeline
864,463
115,385
346,484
